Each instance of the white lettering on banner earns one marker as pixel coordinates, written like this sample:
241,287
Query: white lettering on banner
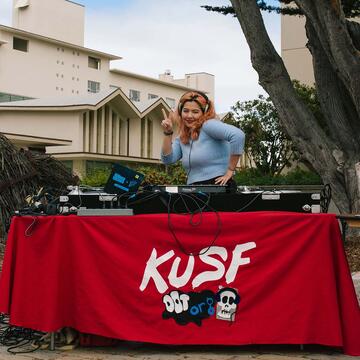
151,270
207,259
178,281
237,260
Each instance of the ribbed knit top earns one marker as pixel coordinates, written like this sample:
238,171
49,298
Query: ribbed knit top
208,156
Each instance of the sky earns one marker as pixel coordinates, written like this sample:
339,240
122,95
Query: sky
157,35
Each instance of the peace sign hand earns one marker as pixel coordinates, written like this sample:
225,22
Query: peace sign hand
167,123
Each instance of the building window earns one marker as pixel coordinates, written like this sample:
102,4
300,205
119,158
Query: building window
5,97
152,96
20,44
171,102
93,86
94,63
134,95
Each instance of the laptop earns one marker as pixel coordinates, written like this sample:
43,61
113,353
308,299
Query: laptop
123,180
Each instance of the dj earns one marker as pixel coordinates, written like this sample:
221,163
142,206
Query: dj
208,148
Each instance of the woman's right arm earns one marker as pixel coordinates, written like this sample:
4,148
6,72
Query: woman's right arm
170,151
166,148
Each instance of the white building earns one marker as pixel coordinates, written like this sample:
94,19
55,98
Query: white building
295,54
84,110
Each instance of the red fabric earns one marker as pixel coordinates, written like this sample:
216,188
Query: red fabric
86,272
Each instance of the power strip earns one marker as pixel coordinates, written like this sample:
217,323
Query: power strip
105,212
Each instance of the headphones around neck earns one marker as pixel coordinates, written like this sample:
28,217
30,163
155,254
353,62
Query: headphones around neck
194,98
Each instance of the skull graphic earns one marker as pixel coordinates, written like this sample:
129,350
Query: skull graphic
227,300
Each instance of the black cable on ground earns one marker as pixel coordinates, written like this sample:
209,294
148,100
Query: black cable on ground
19,340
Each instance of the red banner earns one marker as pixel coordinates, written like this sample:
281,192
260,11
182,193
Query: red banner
260,277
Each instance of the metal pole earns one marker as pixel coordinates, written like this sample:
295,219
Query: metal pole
52,341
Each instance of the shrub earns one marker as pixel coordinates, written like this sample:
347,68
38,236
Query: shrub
154,175
302,177
173,174
295,177
176,175
97,177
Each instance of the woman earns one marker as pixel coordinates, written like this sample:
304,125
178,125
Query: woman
208,148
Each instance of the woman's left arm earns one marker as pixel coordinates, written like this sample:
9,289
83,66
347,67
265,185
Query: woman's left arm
222,180
221,131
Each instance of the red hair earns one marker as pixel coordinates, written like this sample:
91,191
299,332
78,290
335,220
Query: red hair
208,112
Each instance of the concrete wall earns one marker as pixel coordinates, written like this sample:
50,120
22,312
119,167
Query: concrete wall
146,87
296,56
66,18
47,69
103,131
53,125
201,81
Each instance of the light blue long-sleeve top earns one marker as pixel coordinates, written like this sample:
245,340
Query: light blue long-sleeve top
208,156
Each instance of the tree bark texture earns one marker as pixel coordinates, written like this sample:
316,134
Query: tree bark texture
334,151
330,25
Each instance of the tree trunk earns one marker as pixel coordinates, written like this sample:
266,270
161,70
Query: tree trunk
333,155
328,20
341,119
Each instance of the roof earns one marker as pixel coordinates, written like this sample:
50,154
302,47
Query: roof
148,78
58,42
76,3
91,101
201,72
223,116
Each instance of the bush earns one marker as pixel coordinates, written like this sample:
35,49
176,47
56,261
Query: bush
176,175
295,177
173,174
302,177
97,177
154,175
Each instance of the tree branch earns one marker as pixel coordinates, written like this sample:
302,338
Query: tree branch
328,20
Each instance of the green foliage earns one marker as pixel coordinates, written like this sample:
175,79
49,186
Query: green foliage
229,10
266,143
154,175
309,96
173,174
351,8
252,177
96,177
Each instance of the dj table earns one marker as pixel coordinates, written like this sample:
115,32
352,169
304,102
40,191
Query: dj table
253,278
158,201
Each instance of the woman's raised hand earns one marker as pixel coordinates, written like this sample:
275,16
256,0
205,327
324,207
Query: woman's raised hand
167,123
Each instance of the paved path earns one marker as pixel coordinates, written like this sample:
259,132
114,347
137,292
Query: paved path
129,351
